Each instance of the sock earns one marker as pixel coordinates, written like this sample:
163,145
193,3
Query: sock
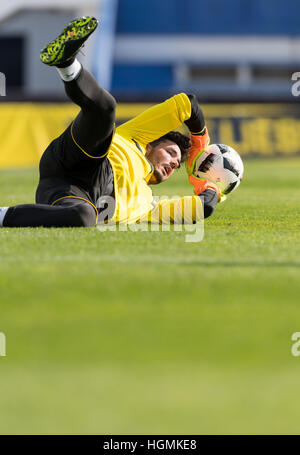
69,73
3,211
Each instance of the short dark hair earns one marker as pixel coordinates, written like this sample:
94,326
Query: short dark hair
180,139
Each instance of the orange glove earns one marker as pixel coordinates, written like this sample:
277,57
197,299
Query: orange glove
198,143
201,185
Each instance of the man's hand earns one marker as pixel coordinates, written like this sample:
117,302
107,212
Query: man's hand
201,185
198,143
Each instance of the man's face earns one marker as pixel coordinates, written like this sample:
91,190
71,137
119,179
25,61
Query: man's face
165,158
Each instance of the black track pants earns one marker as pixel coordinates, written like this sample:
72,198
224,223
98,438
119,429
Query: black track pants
70,163
66,213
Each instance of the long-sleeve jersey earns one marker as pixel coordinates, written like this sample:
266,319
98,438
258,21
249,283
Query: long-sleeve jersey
132,170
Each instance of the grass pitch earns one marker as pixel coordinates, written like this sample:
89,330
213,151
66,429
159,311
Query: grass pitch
131,333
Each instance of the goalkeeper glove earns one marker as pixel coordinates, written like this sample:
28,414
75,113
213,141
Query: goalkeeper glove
201,185
198,143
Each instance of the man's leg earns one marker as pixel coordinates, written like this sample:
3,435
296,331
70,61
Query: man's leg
66,213
78,149
80,146
89,136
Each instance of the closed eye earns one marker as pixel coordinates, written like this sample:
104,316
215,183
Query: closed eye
173,154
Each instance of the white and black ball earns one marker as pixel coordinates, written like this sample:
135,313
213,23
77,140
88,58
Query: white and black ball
221,165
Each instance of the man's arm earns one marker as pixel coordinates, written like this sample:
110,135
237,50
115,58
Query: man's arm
184,210
196,122
208,193
158,120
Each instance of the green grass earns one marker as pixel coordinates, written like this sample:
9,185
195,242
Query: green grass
131,333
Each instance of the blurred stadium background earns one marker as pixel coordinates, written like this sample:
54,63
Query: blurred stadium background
237,56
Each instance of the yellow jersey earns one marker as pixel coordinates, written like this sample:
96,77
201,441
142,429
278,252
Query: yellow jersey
132,170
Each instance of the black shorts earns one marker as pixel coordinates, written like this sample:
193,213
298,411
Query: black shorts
66,171
76,179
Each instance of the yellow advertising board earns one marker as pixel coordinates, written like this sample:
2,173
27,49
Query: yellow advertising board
26,129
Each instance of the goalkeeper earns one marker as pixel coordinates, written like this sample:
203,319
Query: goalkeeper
93,169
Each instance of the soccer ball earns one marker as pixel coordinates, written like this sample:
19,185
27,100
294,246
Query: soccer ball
221,165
